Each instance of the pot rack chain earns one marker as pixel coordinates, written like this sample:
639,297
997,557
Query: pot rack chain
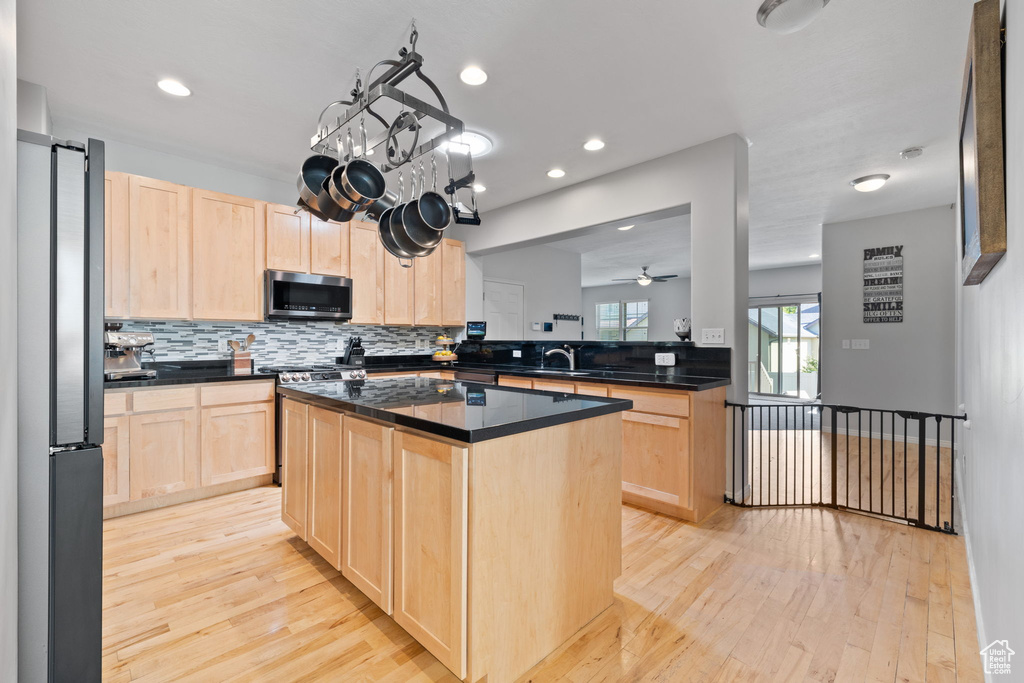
330,138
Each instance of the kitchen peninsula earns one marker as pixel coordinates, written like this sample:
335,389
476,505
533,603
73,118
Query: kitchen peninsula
485,519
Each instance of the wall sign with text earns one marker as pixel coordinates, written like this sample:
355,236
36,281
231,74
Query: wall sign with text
883,284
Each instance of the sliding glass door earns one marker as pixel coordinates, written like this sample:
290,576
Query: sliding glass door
783,349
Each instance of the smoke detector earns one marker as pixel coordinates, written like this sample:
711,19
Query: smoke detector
788,16
911,153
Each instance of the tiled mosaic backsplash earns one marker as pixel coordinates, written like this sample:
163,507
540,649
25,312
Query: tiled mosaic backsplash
278,343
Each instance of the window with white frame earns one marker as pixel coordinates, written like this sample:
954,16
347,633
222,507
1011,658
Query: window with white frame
622,320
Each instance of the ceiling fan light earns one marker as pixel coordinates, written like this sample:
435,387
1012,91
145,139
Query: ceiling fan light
644,280
788,16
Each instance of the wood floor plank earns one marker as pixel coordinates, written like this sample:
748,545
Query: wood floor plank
221,590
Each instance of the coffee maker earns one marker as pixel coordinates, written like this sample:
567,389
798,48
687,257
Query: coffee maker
122,354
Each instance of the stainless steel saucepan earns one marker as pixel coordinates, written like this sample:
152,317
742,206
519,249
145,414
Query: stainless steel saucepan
315,170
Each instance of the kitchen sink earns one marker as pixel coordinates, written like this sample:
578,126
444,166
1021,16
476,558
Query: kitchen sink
570,373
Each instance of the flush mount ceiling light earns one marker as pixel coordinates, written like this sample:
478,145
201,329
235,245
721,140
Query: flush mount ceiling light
477,187
473,75
593,145
556,173
626,227
788,16
869,183
814,256
479,144
173,87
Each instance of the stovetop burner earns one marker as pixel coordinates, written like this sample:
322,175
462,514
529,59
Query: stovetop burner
314,373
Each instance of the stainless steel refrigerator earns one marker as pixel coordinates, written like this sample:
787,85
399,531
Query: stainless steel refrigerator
60,408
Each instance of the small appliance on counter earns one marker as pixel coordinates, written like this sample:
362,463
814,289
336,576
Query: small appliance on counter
354,352
122,354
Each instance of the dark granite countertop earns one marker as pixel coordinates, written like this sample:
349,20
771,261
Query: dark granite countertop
664,380
463,411
186,372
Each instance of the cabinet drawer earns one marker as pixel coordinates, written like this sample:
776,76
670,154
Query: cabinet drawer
589,389
512,381
554,385
655,400
115,403
149,400
235,392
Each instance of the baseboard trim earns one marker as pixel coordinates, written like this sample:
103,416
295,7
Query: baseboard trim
132,506
966,532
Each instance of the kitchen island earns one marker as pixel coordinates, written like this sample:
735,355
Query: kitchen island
485,520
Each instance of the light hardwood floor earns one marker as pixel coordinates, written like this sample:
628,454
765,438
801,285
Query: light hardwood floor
221,590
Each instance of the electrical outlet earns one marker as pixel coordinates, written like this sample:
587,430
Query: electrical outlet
712,335
222,345
861,344
664,359
846,343
517,353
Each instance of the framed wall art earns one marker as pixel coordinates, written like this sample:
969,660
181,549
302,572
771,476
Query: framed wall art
982,195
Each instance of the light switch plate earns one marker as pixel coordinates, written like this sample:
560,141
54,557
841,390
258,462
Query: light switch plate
861,343
535,327
222,345
517,353
664,359
712,335
846,343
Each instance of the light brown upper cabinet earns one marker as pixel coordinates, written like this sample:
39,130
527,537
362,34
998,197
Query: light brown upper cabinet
398,291
287,239
301,243
328,243
367,265
160,249
428,282
453,269
115,245
227,257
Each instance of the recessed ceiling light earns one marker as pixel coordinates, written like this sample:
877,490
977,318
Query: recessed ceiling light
814,256
626,227
477,187
788,16
473,75
479,144
869,183
593,145
173,87
556,173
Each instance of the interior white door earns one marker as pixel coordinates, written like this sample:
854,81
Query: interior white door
503,309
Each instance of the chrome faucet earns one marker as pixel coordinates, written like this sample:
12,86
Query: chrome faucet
570,354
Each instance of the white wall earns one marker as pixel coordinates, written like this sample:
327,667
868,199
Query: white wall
991,369
791,280
551,279
909,365
8,346
667,301
129,158
711,178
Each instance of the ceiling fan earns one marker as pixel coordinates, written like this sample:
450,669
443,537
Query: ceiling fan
643,279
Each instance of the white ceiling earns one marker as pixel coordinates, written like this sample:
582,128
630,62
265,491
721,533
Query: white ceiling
835,101
663,244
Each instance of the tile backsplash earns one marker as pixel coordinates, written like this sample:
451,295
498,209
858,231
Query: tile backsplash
278,343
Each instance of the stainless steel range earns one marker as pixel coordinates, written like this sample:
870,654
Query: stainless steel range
294,374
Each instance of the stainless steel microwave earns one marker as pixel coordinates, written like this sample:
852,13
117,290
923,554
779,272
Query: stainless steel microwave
307,297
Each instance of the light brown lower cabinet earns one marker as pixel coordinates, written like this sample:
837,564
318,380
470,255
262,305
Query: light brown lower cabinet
164,453
294,466
431,535
115,460
237,442
657,462
366,535
323,471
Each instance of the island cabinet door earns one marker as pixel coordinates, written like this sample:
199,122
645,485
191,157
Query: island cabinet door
293,465
656,458
366,538
431,517
324,448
